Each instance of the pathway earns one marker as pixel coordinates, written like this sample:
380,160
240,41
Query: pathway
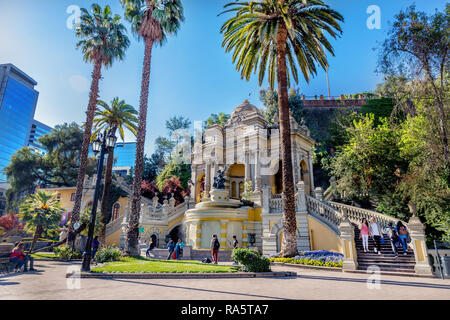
49,283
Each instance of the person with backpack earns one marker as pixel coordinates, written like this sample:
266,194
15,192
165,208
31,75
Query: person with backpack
215,245
403,236
393,237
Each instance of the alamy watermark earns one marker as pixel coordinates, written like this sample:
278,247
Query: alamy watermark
374,20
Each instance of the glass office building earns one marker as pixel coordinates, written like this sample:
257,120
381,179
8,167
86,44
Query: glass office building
38,129
18,100
124,156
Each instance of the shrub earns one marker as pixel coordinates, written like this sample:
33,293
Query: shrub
321,258
251,260
107,254
67,253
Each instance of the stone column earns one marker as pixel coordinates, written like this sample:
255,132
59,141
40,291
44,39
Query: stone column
257,173
244,234
214,172
348,245
301,197
194,182
417,234
207,179
198,235
247,168
266,199
318,192
223,234
310,169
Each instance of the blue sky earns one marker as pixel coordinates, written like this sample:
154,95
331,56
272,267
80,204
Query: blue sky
191,75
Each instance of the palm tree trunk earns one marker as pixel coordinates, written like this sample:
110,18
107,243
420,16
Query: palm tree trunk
36,236
93,97
106,194
131,243
289,241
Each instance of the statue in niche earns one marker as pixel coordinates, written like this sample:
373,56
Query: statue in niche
219,181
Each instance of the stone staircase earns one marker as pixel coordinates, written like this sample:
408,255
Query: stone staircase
386,261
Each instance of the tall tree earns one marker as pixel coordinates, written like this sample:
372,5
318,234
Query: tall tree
41,212
268,35
103,40
151,20
270,99
418,45
220,119
117,116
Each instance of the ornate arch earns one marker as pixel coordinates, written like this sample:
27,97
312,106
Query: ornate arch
153,231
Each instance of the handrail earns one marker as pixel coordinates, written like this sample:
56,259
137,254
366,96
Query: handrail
356,215
321,209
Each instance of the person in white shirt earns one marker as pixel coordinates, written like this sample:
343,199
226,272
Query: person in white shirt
376,234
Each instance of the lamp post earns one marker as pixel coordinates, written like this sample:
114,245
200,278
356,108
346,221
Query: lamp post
102,144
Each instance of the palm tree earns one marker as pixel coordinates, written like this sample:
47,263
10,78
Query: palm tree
116,116
151,20
103,40
40,212
266,35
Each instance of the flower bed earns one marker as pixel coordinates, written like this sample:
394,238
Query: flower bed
320,258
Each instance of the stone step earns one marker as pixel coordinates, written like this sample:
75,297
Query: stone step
386,260
386,264
383,268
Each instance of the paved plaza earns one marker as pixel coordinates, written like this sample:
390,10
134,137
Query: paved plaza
50,283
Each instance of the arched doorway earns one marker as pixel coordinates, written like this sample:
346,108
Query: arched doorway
175,234
236,176
155,240
305,176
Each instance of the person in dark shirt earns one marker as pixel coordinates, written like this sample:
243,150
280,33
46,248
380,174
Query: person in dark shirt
95,245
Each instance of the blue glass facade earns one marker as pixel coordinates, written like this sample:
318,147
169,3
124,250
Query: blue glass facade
38,130
124,154
17,106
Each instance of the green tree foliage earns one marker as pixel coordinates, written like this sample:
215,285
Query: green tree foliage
182,171
57,167
417,47
269,98
41,213
85,220
369,165
220,119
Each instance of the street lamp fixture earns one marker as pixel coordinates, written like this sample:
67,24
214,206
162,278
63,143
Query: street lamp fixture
103,144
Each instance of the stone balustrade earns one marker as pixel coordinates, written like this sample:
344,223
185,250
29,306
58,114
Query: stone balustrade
321,209
356,215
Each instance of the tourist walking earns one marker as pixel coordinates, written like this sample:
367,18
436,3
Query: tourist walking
18,257
393,238
151,245
171,248
179,249
95,245
235,246
364,234
375,230
403,235
215,245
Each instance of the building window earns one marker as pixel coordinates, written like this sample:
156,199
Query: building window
116,211
72,197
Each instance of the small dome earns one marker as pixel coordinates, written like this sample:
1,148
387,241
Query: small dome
245,107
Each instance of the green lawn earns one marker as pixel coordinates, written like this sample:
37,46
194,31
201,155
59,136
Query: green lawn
47,255
142,265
